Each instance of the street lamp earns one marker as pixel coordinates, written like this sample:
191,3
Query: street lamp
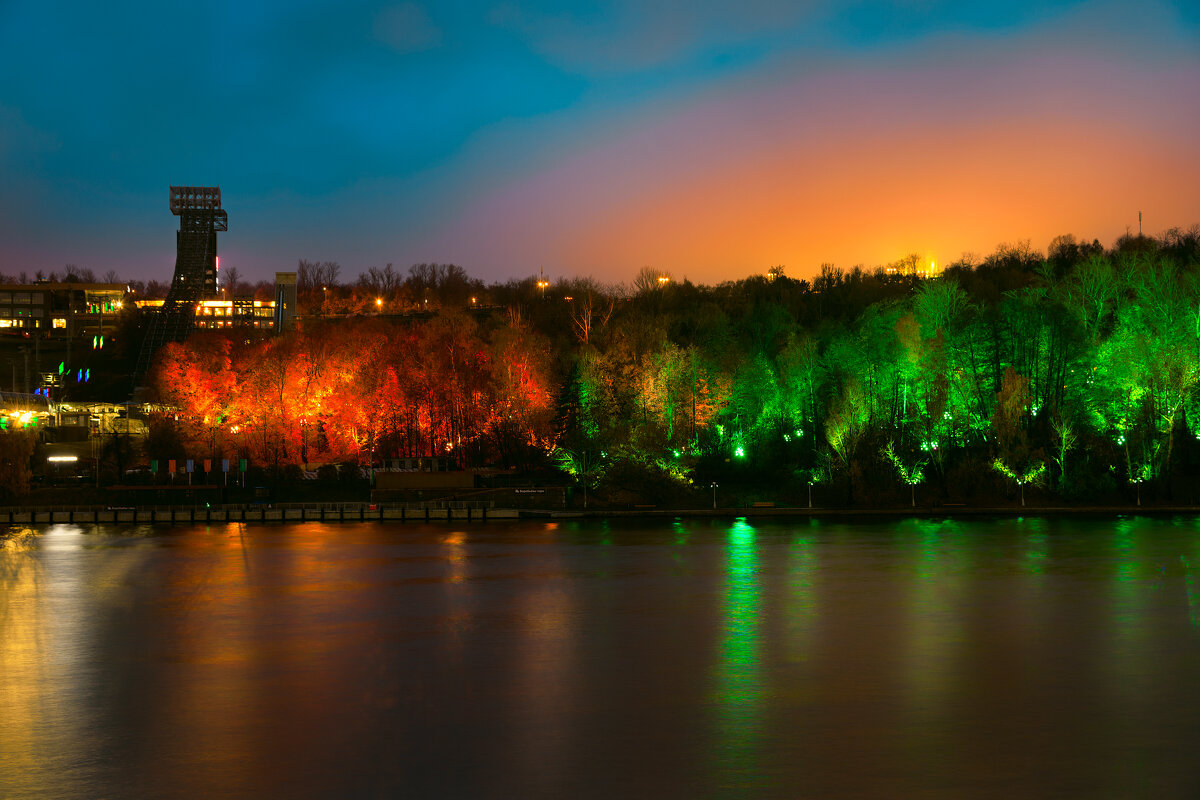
714,488
378,304
663,280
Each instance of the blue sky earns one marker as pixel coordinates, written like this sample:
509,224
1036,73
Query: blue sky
508,136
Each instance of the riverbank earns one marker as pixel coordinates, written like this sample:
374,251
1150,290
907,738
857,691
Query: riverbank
482,512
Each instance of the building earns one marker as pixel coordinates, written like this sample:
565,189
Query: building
285,301
241,312
47,328
60,310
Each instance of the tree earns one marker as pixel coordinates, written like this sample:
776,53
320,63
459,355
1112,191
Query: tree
231,280
1014,457
649,279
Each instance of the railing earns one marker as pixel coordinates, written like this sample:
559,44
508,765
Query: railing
458,509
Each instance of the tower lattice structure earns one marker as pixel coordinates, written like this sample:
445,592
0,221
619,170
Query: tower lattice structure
200,218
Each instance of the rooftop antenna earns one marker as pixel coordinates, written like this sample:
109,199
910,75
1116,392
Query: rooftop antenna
1139,224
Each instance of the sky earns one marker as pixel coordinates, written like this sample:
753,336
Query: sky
708,139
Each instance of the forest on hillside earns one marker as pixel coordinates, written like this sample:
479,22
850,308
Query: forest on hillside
1070,375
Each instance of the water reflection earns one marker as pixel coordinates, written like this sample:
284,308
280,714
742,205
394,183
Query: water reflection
903,659
739,677
1190,566
1037,545
545,648
25,644
1127,598
932,644
55,602
802,605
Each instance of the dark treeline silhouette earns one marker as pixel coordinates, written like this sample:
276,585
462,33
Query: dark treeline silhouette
1065,376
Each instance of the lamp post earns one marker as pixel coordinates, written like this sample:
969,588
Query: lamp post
714,488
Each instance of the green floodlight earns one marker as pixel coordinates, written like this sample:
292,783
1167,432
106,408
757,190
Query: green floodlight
62,367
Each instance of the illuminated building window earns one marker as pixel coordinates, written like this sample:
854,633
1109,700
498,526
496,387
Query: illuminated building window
60,322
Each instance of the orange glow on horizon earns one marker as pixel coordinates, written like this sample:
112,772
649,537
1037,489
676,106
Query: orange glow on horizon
851,165
954,192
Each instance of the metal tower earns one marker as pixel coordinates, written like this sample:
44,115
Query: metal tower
200,218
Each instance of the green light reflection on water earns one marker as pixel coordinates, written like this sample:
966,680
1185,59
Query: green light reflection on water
1129,669
1037,546
1125,591
1189,584
682,534
802,605
739,679
935,608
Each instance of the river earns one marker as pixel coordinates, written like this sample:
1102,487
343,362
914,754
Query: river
912,658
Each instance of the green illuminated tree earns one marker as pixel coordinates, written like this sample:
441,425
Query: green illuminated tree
1015,458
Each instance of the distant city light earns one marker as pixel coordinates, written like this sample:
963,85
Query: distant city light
63,458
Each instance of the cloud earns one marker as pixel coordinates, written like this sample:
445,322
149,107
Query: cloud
406,28
634,35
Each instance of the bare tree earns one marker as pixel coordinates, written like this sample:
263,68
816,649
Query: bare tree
314,275
112,277
231,280
649,279
591,307
383,282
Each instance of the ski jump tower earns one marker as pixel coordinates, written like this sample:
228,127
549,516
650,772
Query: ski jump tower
200,218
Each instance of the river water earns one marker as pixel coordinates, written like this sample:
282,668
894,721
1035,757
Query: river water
696,658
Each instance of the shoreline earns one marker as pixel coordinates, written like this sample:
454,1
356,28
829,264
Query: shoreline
388,512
